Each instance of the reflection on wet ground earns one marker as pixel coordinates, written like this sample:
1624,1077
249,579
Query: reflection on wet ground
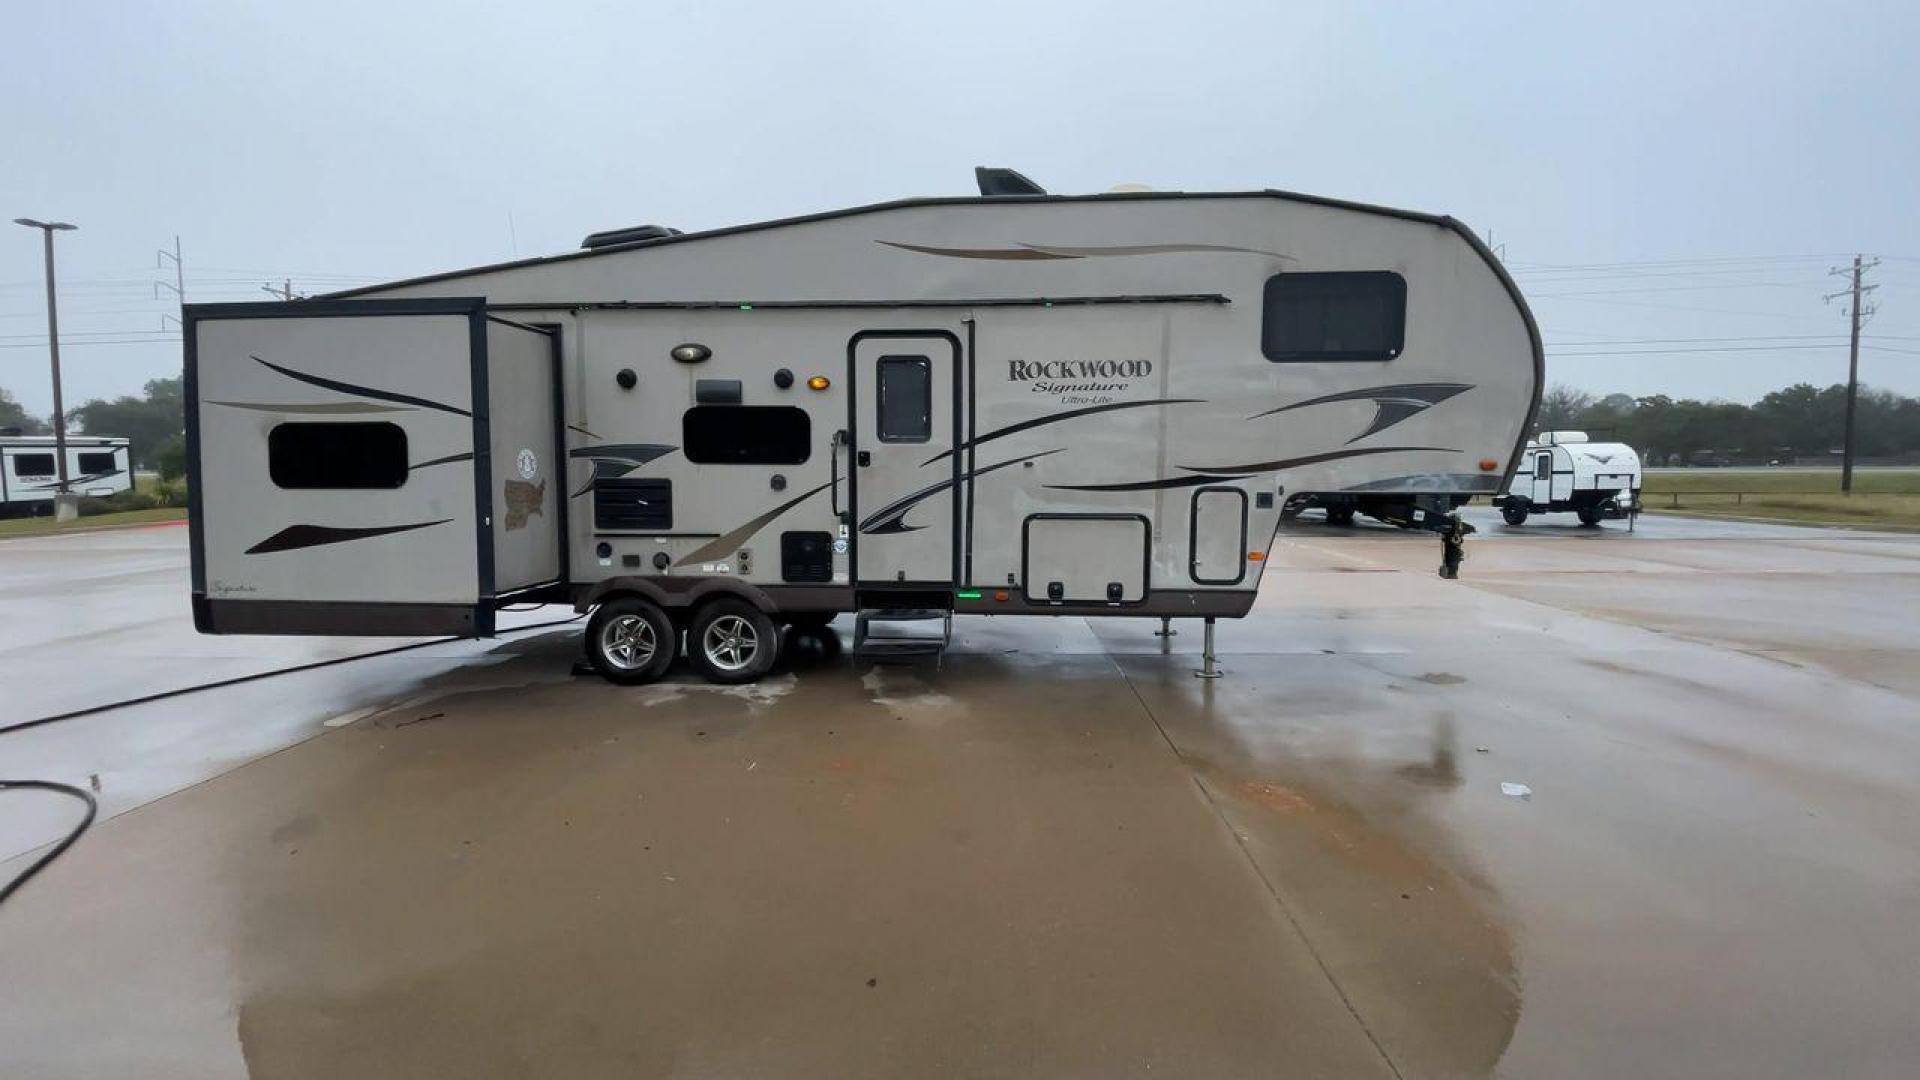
1056,853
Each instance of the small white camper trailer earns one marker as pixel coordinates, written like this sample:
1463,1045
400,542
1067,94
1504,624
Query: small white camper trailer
1011,404
1563,471
97,465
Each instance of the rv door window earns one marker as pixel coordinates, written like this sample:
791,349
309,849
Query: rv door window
1352,316
746,435
903,403
1542,466
33,464
346,455
97,462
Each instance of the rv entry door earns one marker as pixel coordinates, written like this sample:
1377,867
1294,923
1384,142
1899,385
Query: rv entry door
903,473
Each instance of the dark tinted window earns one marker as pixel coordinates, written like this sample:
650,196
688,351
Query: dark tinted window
352,455
903,403
96,462
33,464
746,435
1542,466
1344,316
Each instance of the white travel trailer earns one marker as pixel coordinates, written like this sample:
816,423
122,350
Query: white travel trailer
97,465
1562,471
1011,404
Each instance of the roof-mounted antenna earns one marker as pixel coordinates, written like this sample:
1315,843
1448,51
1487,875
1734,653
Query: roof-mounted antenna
1004,182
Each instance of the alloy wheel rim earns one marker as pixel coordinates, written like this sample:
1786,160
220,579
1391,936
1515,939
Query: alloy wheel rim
628,642
730,643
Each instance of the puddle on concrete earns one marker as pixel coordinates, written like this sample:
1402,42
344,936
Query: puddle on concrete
906,691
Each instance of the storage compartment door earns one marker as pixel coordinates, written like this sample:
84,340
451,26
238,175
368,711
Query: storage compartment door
1217,536
334,481
1086,558
523,425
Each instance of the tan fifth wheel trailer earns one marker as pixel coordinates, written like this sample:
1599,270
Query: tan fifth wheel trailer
1012,404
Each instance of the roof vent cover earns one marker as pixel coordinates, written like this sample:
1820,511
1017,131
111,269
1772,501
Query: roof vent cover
1005,182
627,236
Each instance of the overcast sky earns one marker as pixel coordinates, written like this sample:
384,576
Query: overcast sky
1701,166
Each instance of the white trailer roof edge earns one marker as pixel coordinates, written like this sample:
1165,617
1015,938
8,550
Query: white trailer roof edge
1439,220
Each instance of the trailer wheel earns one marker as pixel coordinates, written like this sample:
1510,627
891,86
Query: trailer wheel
1339,515
1514,513
1589,516
630,641
731,641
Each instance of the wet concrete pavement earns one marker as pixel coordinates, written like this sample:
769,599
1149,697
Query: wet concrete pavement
1060,854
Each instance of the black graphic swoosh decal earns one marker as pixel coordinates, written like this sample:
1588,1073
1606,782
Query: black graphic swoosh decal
1392,404
294,537
1054,418
74,480
617,459
363,391
450,458
1315,459
328,408
891,518
1017,254
1025,252
724,545
1148,485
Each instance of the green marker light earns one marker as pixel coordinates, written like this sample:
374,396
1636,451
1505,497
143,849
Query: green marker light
968,595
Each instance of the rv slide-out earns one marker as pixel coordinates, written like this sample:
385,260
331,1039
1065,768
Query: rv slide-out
427,423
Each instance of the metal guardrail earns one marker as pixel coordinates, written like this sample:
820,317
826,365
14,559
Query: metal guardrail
1739,497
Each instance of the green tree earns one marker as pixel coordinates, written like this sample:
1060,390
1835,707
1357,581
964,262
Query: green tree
15,415
151,422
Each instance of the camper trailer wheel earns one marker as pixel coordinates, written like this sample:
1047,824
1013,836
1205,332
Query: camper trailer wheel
1590,516
630,641
731,641
1514,514
1339,515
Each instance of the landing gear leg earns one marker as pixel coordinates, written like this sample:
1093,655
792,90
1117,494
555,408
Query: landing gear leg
1453,545
1208,669
1166,629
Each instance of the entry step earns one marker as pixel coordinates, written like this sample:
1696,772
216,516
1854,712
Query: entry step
878,633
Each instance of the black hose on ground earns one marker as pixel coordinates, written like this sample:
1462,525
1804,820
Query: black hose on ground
93,807
238,679
41,863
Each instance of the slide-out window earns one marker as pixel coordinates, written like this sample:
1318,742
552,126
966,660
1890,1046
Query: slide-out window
33,464
904,402
1318,317
343,455
746,435
96,461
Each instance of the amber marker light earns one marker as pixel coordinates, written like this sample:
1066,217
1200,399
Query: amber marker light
1487,464
818,382
1256,556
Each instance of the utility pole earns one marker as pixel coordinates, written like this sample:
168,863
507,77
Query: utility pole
1859,316
284,292
65,507
179,285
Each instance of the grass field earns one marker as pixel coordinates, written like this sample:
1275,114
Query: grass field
34,526
1880,496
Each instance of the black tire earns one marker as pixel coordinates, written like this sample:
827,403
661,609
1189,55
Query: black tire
808,620
1339,515
730,641
630,641
1514,514
1589,516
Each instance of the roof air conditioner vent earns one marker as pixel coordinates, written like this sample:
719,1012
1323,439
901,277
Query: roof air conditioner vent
632,235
